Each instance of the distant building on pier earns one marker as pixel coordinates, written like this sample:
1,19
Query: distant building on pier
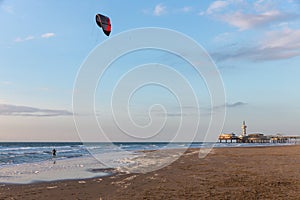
256,137
244,131
243,137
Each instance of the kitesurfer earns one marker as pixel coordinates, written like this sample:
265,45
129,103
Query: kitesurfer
53,152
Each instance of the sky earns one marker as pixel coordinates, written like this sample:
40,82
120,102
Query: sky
255,45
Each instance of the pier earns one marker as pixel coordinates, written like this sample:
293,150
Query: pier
264,139
256,137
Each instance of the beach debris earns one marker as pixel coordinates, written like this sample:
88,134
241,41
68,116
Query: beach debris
52,187
36,172
151,178
130,178
191,153
97,180
125,182
203,152
81,182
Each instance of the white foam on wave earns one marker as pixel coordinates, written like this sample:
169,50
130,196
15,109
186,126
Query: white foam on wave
88,166
52,170
150,161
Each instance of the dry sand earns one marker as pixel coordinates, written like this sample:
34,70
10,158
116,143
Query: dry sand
226,173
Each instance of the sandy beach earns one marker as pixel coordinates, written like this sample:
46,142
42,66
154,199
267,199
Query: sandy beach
226,173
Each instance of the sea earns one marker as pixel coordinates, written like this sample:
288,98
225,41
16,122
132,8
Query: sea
29,162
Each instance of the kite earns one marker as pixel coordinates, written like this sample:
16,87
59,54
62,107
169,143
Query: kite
104,23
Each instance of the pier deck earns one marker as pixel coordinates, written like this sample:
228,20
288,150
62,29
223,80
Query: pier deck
260,139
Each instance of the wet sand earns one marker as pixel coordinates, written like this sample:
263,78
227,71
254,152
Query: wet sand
226,173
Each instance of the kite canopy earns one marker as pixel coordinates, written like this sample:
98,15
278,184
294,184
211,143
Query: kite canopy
103,22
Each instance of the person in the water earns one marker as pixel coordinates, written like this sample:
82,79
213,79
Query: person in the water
54,152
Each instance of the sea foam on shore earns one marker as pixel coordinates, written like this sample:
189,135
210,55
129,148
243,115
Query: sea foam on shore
93,161
55,169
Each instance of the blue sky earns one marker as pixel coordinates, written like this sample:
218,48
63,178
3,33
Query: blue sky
255,45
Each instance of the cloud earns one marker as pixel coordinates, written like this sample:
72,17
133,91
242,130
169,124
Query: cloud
275,45
177,114
14,110
186,111
31,37
229,105
6,83
7,9
223,37
170,114
47,35
280,45
246,15
186,9
159,10
44,89
177,111
286,38
234,105
247,21
18,39
216,6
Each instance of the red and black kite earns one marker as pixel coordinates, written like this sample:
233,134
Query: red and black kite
103,22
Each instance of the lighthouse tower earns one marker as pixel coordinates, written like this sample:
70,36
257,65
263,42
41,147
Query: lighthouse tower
244,127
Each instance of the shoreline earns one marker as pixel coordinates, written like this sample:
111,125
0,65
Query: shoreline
226,173
82,167
91,172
